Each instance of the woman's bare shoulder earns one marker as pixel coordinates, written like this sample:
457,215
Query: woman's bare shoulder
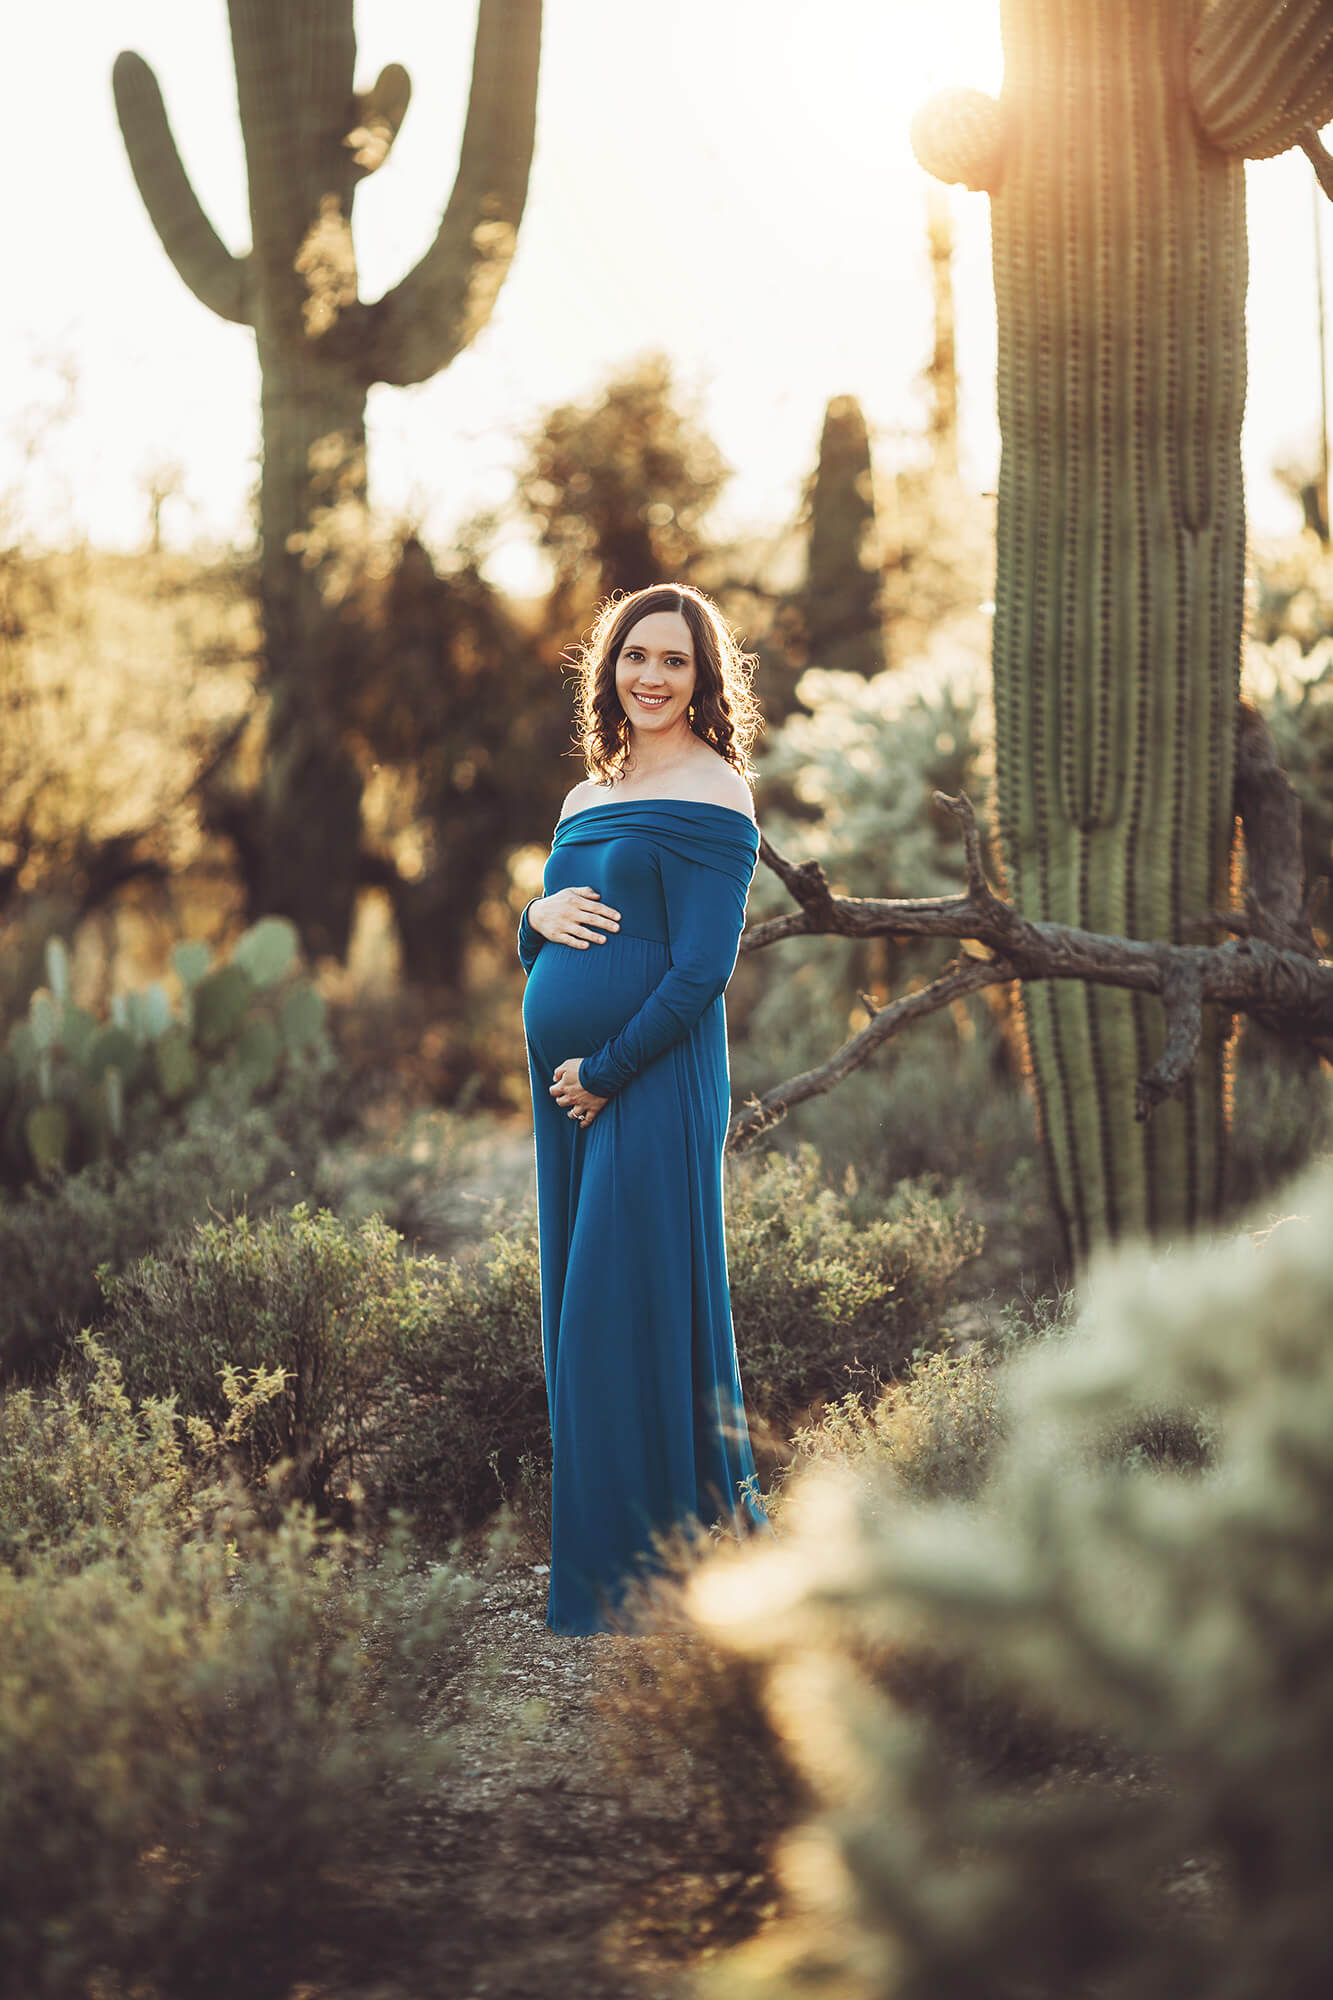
721,784
585,793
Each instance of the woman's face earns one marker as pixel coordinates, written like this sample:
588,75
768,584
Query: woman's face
655,673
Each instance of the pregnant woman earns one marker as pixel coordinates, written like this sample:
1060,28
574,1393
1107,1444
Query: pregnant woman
627,954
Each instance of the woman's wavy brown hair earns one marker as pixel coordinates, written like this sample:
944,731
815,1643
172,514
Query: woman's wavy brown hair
723,710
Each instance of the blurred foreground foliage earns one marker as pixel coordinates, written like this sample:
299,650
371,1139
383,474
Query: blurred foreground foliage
1047,1650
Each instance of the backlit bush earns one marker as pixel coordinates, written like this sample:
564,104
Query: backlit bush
820,1300
1175,1615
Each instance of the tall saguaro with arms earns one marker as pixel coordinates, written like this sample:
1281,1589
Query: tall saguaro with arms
309,139
1113,160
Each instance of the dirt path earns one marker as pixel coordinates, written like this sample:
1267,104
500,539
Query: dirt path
564,1873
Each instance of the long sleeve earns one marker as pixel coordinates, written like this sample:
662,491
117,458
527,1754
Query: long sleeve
530,941
705,914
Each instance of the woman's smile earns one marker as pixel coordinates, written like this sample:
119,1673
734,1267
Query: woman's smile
660,645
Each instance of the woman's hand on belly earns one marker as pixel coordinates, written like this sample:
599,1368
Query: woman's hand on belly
569,1093
571,916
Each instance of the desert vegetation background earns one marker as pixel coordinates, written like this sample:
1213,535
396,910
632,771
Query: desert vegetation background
1030,1694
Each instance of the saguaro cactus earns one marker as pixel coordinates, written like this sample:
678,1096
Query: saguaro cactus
309,139
1113,162
840,603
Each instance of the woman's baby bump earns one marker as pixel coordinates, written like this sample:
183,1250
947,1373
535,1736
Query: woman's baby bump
576,1000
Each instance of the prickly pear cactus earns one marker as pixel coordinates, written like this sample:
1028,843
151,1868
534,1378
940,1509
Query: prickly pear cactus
73,1090
1113,159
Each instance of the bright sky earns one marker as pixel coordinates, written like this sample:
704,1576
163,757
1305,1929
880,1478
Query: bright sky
727,180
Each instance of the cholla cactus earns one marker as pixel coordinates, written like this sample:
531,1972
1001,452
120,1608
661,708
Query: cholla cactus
1113,162
1178,1620
310,138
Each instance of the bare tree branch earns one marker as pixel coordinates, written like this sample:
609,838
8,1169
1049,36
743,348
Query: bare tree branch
1270,970
965,975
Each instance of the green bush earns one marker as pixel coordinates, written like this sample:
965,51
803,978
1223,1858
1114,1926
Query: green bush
53,1239
329,1307
209,1734
83,1475
1179,1615
199,1751
419,1382
817,1297
933,1434
422,1381
471,1423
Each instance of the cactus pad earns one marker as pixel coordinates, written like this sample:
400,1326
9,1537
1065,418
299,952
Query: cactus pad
302,1017
221,1003
175,1065
266,950
46,1129
191,962
257,1054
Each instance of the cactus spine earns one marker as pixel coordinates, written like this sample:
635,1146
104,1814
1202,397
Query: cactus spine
1119,253
309,139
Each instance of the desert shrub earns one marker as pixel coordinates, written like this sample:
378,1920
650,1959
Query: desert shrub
816,1296
1181,1616
198,1751
208,1731
328,1306
441,1178
471,1424
53,1239
933,1434
84,1475
418,1382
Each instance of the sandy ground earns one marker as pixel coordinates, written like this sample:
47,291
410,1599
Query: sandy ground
550,1870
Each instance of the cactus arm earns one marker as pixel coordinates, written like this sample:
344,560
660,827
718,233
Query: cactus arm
442,303
202,259
380,112
1320,159
1261,75
960,136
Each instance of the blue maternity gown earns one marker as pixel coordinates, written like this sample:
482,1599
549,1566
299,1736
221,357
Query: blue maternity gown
647,1421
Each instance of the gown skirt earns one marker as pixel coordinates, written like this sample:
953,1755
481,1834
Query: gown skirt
647,1418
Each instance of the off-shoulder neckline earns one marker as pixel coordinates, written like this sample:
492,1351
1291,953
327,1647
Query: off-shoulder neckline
706,805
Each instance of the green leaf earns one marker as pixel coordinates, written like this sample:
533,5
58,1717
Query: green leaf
157,1012
57,969
77,1028
23,1048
